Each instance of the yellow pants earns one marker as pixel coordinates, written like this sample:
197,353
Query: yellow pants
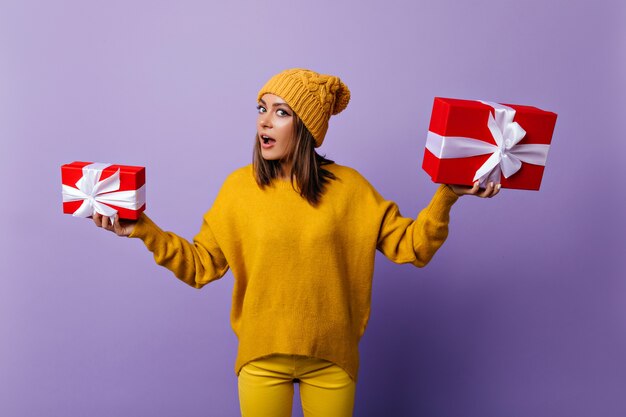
266,387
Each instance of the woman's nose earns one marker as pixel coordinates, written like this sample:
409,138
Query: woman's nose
264,120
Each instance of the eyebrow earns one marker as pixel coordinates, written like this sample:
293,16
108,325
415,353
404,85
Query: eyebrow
275,104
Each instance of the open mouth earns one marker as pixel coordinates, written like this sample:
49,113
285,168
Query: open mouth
267,140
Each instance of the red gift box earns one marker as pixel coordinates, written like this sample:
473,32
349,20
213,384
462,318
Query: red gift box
104,188
476,140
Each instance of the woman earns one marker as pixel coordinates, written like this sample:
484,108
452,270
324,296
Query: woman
299,233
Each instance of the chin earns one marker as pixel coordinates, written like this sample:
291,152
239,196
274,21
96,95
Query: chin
269,156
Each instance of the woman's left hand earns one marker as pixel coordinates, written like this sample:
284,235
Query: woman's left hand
491,190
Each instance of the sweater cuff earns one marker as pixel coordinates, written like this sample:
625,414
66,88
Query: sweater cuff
146,230
446,193
442,202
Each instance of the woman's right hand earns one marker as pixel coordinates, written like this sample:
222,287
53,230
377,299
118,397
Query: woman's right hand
119,227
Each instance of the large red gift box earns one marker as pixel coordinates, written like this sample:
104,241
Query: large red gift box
477,140
104,188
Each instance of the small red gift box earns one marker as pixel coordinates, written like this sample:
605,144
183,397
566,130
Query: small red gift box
476,140
104,188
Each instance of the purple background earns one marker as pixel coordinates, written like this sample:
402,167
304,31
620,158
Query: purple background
521,313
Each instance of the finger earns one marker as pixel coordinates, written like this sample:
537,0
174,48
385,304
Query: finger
487,191
496,190
117,227
105,222
97,219
110,225
475,188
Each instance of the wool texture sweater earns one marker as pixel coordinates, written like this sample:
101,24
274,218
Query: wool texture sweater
302,274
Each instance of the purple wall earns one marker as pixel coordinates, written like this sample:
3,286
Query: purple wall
521,313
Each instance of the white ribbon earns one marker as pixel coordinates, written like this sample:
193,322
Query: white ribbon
95,193
506,157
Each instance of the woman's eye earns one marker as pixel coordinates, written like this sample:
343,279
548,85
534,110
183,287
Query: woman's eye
282,112
260,109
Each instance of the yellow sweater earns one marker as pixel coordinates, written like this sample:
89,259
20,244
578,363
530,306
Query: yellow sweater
303,274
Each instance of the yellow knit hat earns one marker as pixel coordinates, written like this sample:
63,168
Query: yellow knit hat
314,97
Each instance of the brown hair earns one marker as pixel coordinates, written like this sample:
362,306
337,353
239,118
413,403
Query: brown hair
307,175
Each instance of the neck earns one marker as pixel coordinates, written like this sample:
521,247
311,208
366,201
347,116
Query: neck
285,169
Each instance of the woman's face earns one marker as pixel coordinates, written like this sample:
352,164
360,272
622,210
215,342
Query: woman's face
275,127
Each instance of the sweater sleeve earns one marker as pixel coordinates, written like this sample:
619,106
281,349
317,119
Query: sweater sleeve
404,240
195,264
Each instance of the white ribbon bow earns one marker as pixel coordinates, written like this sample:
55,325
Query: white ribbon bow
506,157
94,193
